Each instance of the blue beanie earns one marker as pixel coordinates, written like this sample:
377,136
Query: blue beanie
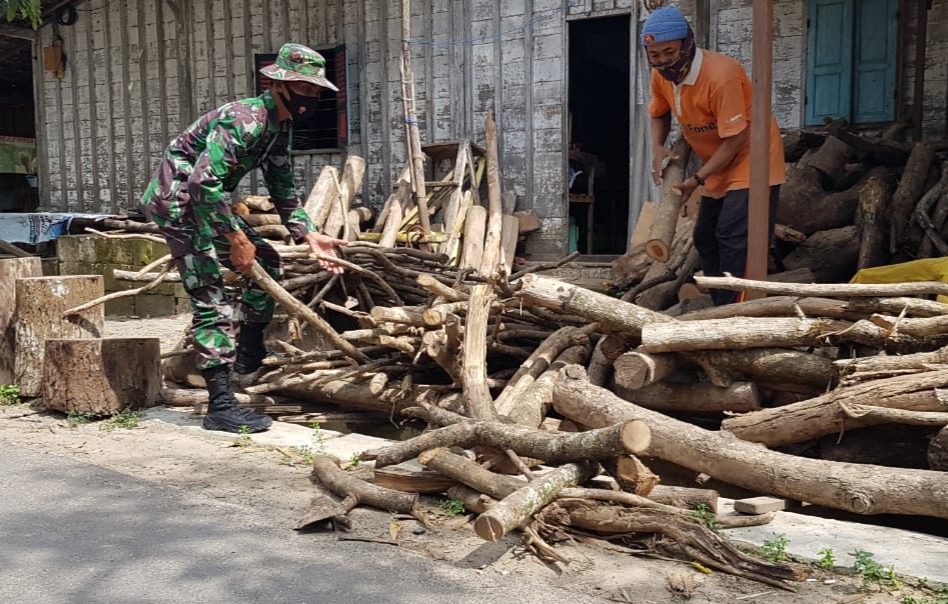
664,25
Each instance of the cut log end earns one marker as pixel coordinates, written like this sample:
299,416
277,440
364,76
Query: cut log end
658,250
489,528
636,437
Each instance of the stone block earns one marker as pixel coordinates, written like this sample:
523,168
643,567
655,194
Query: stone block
76,248
128,252
50,267
74,267
121,307
760,505
150,305
182,306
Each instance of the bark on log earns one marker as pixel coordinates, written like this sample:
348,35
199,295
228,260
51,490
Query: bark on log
685,497
550,447
475,227
513,510
357,491
826,414
841,290
530,408
797,142
319,202
600,368
258,203
197,398
766,365
393,400
938,451
873,209
495,215
638,369
670,397
829,160
871,490
631,474
470,473
393,219
908,193
664,225
40,304
832,254
12,269
101,376
260,220
738,333
611,314
349,186
913,363
508,241
631,266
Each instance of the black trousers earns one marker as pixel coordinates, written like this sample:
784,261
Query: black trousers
720,237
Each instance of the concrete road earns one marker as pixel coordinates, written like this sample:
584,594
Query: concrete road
76,533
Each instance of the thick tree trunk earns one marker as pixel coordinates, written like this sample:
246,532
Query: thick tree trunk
873,209
765,365
638,369
831,254
870,490
911,187
515,509
670,397
101,376
829,160
480,405
12,269
475,227
38,316
827,414
611,314
737,334
320,200
495,214
550,447
664,225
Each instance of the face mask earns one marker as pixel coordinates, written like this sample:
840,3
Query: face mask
298,104
676,71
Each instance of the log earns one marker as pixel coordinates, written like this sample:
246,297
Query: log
687,498
737,334
873,209
320,199
827,414
393,221
349,186
101,376
631,266
841,290
480,405
723,367
40,304
475,225
698,398
566,298
403,477
470,473
259,220
871,490
12,269
909,363
257,203
797,142
600,368
513,510
938,451
551,447
510,231
495,214
637,369
631,474
829,160
197,398
357,491
9,248
530,408
658,246
832,254
909,191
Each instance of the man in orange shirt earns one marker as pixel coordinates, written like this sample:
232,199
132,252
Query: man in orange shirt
710,96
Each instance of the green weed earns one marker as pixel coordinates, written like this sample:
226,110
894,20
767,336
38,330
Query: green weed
776,550
125,419
452,507
873,572
9,394
827,560
354,461
243,441
706,516
320,437
306,453
77,418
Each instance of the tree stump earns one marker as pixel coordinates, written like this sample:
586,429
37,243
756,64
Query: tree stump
12,269
101,376
38,316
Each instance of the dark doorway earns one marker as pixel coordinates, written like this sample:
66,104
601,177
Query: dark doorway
18,162
599,135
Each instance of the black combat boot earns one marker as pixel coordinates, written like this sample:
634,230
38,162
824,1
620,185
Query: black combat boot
223,411
250,348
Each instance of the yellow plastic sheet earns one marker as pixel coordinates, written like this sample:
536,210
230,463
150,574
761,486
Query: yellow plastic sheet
928,269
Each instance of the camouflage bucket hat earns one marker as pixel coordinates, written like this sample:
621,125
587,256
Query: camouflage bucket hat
297,63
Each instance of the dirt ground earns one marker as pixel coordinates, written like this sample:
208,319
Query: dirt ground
265,482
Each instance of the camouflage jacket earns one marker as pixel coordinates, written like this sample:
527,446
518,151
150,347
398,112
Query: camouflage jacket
205,163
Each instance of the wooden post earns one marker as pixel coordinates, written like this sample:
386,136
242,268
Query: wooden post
495,215
759,206
921,43
102,376
413,144
12,269
38,316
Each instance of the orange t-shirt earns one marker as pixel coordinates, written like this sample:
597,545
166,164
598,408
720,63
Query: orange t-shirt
712,103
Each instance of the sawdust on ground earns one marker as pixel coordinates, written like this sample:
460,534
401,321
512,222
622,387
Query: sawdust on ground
267,482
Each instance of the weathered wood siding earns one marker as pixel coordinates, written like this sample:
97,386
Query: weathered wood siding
734,34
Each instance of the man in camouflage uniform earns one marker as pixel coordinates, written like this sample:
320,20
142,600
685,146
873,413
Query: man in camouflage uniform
189,201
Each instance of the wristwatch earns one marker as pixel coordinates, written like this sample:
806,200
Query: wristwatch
698,179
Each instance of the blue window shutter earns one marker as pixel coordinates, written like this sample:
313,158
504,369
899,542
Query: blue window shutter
876,49
829,60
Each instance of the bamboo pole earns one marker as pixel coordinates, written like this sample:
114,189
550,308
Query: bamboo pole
413,142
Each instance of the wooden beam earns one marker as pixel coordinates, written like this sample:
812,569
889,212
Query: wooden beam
12,31
759,206
921,43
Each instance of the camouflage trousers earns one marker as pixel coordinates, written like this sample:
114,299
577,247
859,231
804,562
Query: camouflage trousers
199,256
